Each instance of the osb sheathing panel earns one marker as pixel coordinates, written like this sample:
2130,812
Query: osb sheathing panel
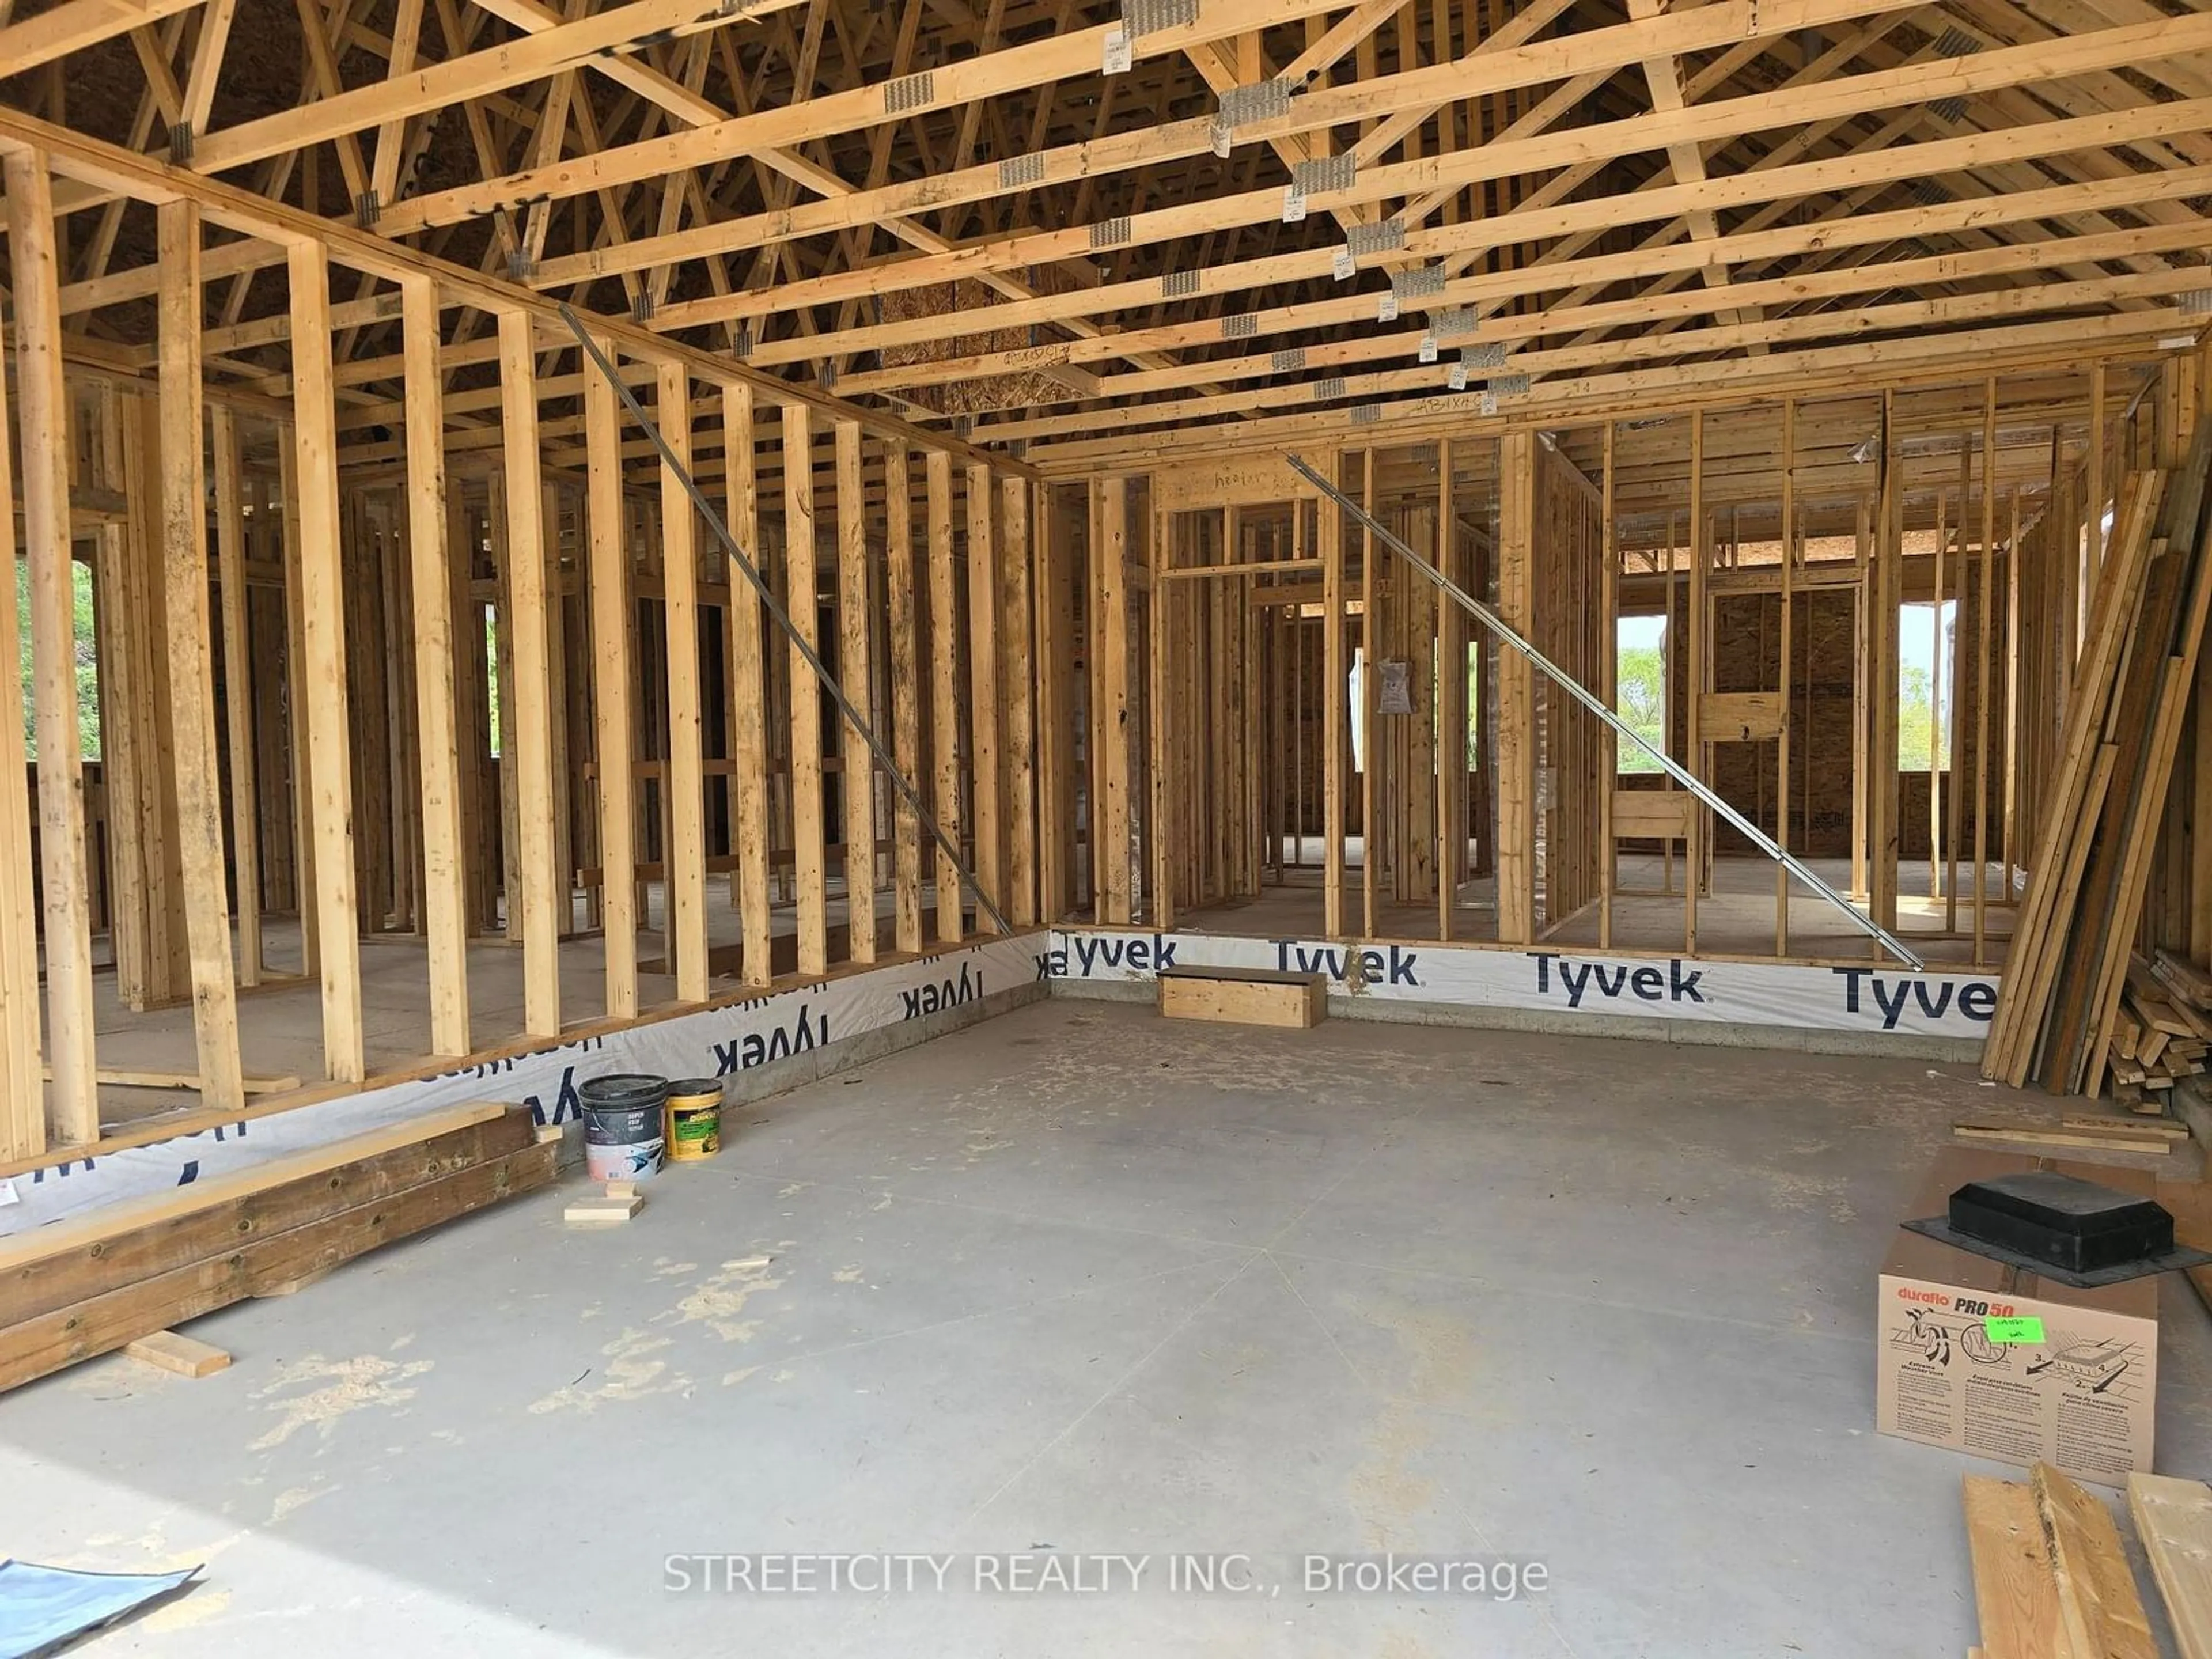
969,396
1747,646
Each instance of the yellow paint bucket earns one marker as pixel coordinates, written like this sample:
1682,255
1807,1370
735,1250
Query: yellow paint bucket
695,1119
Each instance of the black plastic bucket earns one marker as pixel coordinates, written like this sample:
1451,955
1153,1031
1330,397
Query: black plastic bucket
624,1138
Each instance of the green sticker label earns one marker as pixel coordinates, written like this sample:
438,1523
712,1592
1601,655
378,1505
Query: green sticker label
2013,1330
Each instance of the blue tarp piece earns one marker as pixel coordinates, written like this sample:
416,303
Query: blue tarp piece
44,1608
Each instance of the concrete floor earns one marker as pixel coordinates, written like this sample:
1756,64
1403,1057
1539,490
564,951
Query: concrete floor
1078,1281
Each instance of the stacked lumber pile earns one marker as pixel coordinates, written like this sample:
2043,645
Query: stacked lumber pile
2051,1579
123,1273
2162,1031
2059,1014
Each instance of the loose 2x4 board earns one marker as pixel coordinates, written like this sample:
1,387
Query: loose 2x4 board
1243,996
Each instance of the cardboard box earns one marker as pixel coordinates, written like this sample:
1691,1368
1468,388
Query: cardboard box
2083,1399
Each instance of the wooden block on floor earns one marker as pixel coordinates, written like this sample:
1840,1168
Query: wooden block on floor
600,1210
1244,996
2173,1518
186,1356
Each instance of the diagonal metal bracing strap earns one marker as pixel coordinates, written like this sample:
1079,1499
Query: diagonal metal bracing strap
744,566
1589,700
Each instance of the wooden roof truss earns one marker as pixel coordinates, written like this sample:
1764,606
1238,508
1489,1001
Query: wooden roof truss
1176,226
